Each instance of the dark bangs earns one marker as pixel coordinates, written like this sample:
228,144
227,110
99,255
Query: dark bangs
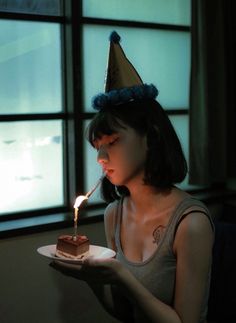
111,119
104,123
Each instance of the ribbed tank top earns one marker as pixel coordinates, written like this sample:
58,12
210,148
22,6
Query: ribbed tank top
157,273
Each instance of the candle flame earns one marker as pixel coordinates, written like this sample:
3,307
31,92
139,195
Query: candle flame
79,200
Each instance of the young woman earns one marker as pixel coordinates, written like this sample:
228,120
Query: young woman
162,236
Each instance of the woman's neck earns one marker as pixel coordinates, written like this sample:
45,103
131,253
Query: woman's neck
144,198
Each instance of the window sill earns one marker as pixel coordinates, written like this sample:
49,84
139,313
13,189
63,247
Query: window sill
36,224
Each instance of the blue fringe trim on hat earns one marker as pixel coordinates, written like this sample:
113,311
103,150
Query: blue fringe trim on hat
124,95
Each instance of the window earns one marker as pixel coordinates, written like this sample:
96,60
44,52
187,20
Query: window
53,58
32,110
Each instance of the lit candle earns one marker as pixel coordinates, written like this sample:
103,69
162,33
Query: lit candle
75,223
79,200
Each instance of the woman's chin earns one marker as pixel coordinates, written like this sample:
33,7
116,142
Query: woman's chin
114,180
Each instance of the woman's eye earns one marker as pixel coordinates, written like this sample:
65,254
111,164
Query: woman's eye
112,142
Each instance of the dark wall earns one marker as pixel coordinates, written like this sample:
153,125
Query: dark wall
32,292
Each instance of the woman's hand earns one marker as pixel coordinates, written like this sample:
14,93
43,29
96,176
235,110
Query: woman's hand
104,271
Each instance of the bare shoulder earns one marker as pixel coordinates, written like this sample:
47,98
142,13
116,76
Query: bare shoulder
196,223
195,227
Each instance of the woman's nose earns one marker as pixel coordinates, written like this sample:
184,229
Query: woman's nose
102,156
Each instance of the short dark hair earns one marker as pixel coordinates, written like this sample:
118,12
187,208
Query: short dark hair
165,163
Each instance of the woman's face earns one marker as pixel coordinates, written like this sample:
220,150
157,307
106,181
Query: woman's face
122,155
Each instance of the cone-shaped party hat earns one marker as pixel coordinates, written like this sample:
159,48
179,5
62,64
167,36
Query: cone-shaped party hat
122,82
120,72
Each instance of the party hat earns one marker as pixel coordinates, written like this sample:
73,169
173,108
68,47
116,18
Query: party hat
120,72
122,82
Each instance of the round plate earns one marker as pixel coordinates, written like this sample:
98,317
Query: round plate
94,251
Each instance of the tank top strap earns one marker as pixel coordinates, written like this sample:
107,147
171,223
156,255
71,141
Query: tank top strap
118,218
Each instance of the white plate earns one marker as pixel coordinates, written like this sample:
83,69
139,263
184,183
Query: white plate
94,251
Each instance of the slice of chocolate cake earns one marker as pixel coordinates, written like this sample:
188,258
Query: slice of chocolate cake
72,247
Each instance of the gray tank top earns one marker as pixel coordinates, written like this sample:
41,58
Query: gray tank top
157,273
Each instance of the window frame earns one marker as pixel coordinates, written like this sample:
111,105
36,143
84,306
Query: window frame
42,116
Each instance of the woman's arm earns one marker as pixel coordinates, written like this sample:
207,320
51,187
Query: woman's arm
193,247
